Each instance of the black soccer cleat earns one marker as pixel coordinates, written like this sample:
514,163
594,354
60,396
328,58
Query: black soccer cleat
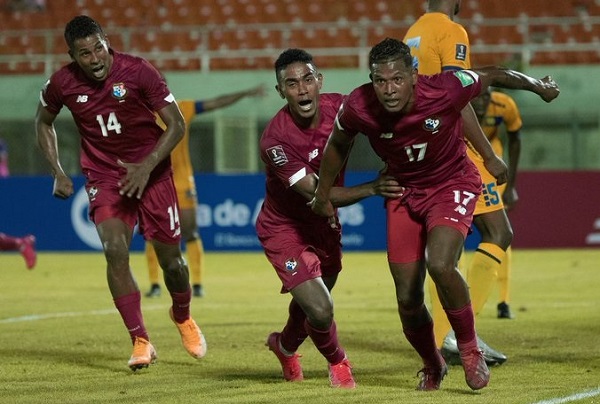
452,355
504,311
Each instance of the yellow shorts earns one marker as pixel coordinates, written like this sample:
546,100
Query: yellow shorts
490,199
186,192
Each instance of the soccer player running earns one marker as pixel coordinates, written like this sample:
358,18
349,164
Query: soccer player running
439,44
414,124
112,97
185,185
305,249
494,108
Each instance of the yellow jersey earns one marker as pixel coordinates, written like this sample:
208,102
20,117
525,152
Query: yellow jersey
437,43
502,109
183,172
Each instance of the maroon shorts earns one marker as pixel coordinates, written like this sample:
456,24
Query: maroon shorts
157,211
301,254
410,219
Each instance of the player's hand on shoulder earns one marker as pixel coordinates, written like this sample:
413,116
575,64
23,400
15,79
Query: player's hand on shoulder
548,89
63,186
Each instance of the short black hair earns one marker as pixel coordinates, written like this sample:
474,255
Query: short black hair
79,27
390,49
290,56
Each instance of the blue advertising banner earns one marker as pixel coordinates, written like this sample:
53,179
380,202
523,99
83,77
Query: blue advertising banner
227,211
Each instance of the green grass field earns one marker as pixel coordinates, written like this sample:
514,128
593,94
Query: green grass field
62,341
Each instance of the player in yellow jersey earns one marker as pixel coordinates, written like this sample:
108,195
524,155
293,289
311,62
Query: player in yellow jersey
438,43
183,176
493,109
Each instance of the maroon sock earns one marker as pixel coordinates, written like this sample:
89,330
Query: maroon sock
423,340
294,333
129,307
181,305
8,243
327,343
463,323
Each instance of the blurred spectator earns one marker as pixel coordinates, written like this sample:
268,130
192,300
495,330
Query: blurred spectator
3,159
26,5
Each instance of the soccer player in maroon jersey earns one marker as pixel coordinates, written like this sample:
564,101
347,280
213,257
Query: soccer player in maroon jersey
415,126
305,249
112,97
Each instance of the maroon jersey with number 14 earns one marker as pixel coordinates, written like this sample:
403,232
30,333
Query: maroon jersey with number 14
115,117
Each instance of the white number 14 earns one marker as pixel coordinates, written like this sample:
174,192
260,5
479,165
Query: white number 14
112,123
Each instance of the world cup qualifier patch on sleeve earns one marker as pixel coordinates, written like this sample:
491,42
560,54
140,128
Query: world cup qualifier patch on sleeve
461,52
277,155
465,78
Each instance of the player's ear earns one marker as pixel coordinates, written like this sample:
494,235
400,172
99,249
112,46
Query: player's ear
320,80
279,91
71,55
370,76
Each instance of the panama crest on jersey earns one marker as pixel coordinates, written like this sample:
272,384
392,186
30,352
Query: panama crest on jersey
432,124
290,264
119,91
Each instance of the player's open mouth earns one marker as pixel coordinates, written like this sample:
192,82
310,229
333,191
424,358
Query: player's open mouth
305,105
392,103
98,71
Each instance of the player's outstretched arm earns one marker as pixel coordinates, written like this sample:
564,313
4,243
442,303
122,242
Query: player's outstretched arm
46,139
502,77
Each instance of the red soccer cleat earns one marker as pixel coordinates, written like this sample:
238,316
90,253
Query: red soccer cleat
340,375
477,374
290,365
27,250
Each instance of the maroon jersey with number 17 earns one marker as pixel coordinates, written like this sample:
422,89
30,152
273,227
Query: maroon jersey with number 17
115,117
425,146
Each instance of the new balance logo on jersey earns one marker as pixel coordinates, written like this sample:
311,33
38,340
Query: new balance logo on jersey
388,135
82,98
313,154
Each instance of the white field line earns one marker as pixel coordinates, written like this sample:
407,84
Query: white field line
37,317
571,398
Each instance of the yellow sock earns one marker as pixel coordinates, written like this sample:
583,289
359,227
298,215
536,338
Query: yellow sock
195,253
483,272
152,260
504,273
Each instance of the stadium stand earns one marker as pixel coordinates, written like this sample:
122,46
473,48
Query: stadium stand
248,34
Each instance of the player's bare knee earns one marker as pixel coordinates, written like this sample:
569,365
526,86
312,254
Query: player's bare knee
320,316
173,265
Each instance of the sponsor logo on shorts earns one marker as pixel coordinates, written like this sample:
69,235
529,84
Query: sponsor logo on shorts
290,264
277,155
